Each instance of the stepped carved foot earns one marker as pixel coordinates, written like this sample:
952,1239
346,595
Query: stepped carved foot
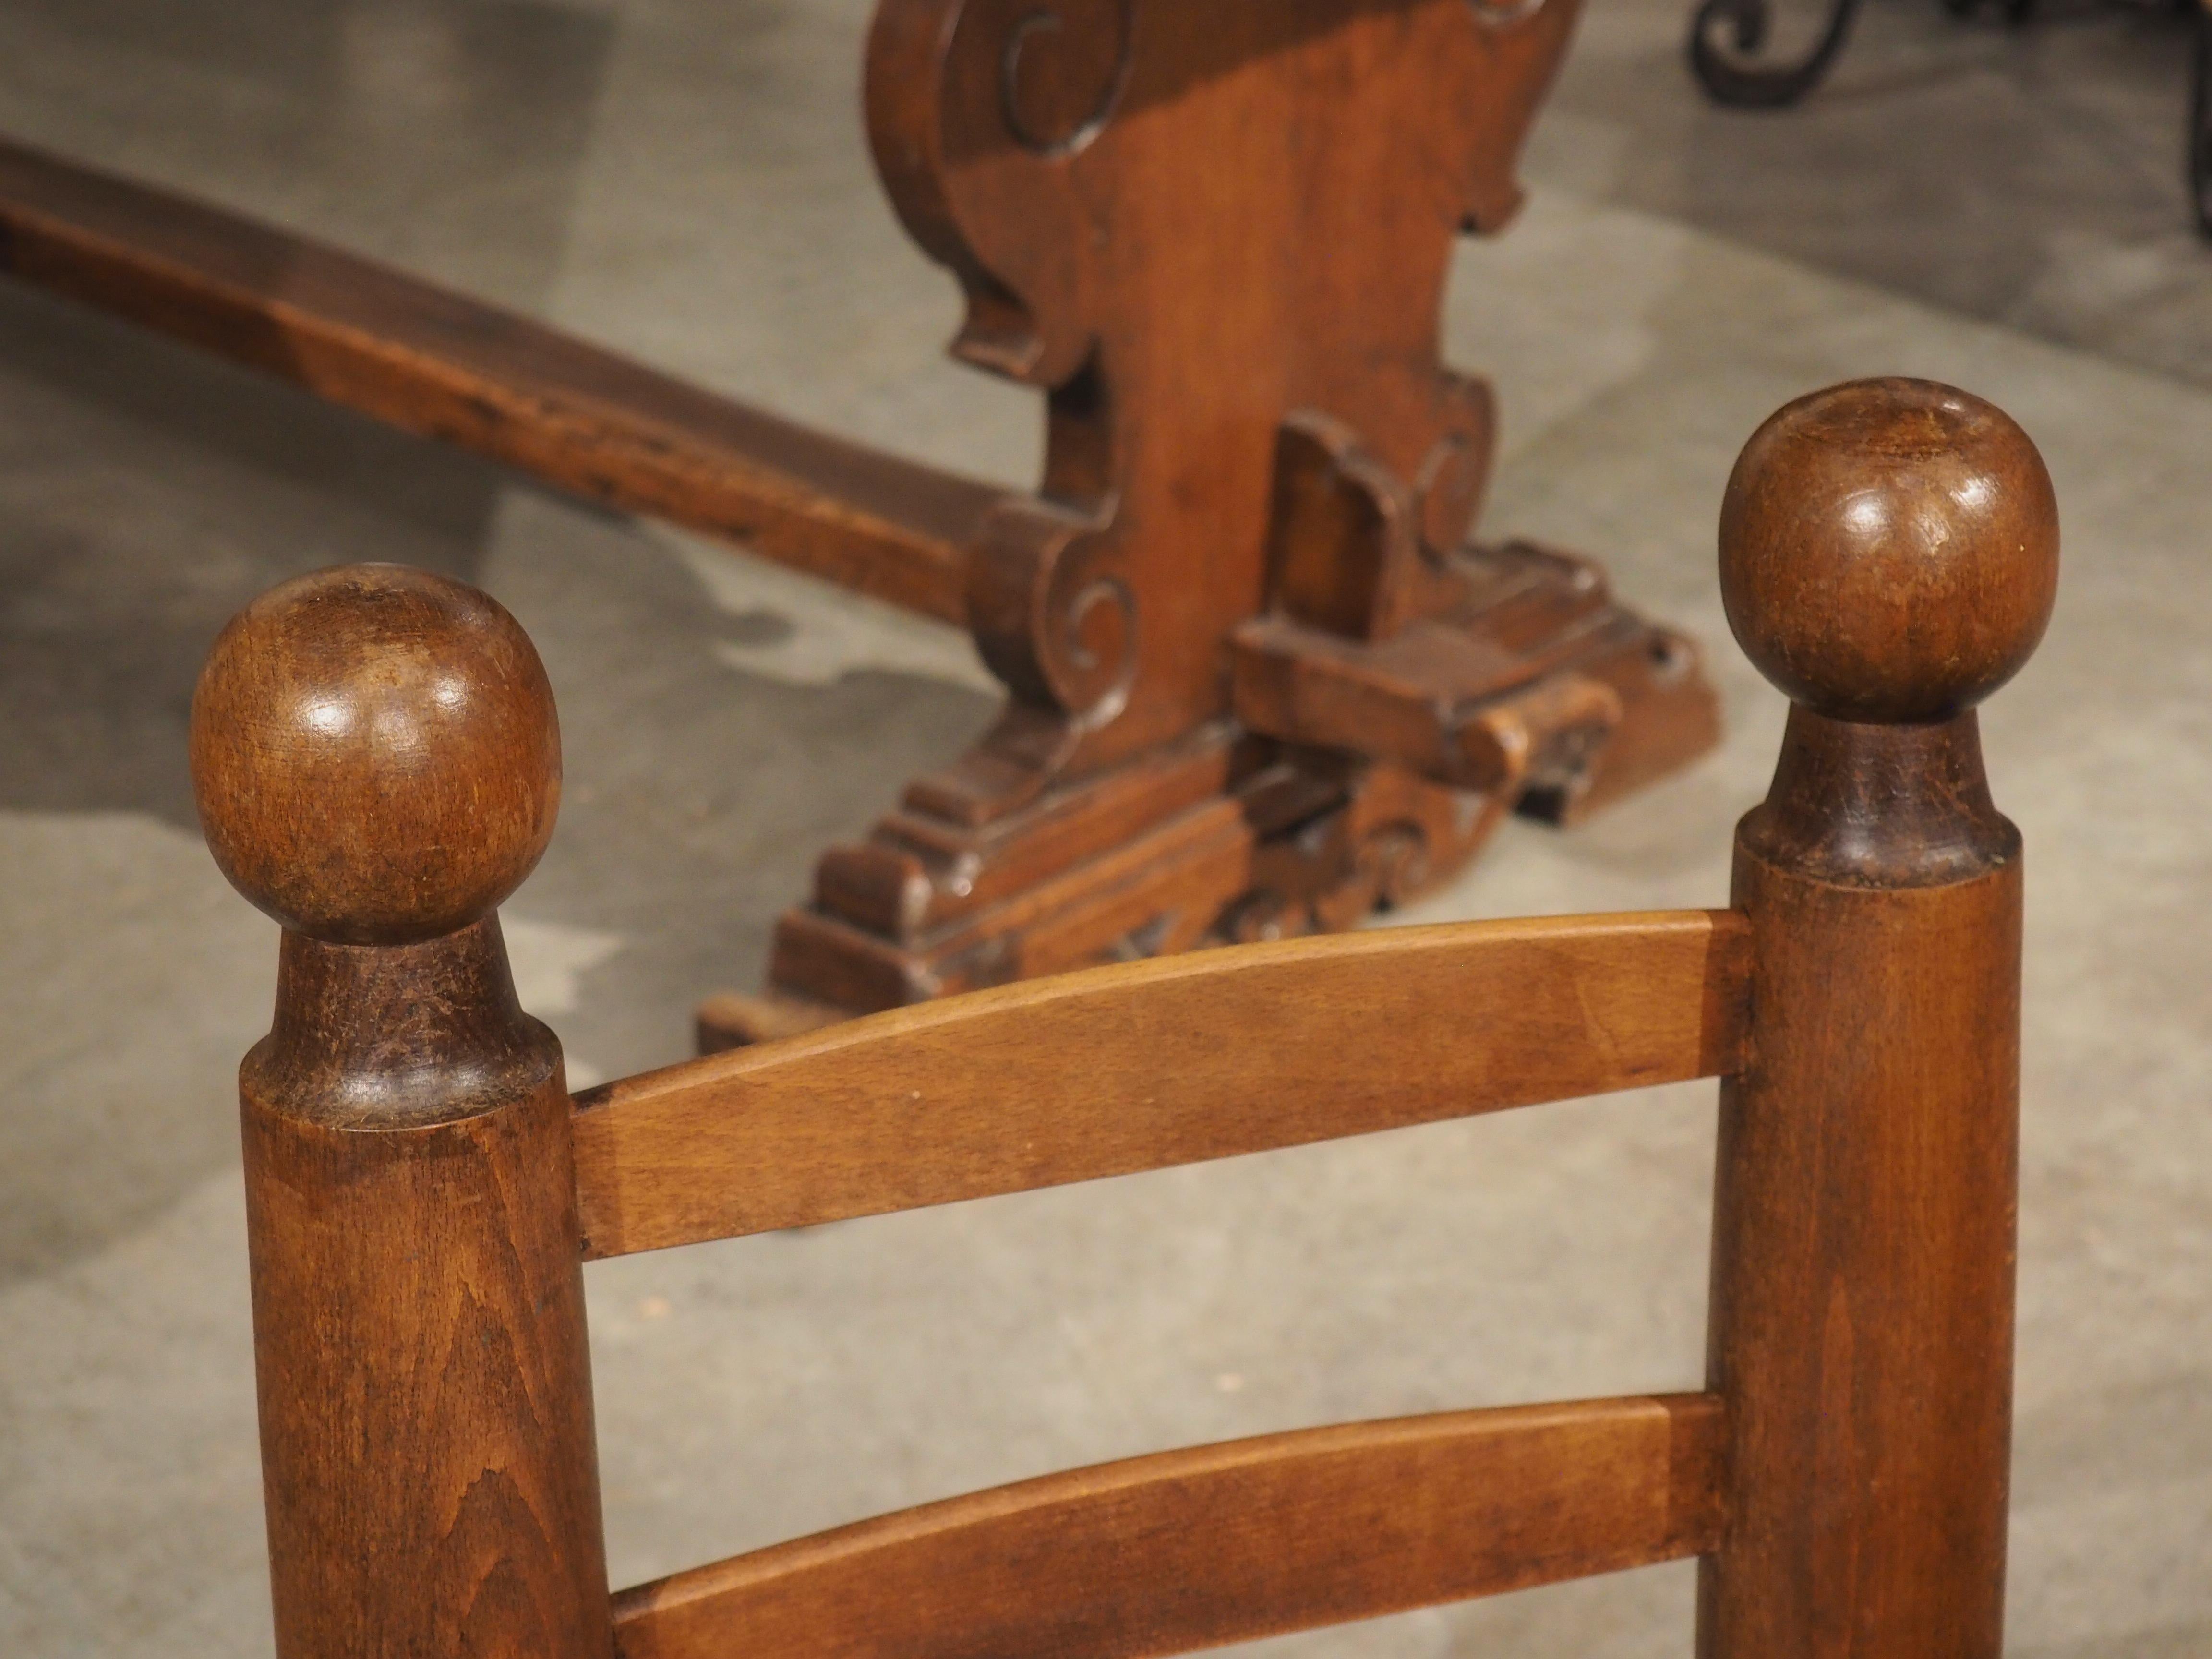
1227,837
1533,691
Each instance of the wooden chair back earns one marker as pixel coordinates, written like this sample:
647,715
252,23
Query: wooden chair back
377,760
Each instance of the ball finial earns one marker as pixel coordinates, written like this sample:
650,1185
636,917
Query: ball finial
1889,550
375,754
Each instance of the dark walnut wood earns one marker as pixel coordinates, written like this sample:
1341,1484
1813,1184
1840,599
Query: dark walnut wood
1284,1533
1246,414
1259,685
1216,236
421,1192
1889,557
377,765
1524,691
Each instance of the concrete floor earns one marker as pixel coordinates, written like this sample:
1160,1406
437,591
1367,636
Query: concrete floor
686,178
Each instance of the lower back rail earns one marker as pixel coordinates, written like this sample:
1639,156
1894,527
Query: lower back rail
1225,1543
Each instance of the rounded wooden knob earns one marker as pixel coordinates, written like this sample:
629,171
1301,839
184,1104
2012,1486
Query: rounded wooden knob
1889,550
375,754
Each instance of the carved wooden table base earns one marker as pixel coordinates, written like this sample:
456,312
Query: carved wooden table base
1257,682
1229,835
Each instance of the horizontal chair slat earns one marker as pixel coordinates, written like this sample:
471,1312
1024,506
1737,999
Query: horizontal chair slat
1143,1066
1225,1543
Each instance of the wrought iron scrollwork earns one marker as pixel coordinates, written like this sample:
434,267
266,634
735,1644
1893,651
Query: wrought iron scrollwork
1052,615
1725,37
2200,123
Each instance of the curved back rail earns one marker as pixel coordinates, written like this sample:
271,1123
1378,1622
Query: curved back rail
1149,1064
376,760
1191,1549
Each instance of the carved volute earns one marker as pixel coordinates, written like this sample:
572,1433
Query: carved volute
1202,387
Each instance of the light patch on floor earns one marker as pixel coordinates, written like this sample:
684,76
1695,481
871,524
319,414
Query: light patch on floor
815,635
549,960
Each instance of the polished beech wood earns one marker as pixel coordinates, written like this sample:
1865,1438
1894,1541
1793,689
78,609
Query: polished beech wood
1889,553
1190,1549
441,365
377,765
409,708
1889,557
1117,1070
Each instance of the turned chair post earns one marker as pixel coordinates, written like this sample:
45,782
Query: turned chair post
1888,558
377,764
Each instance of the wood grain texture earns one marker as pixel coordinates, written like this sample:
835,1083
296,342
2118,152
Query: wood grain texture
1535,684
1889,550
1301,842
1863,1279
1192,224
1862,1314
1216,237
408,708
1360,138
1190,1549
421,1190
428,1463
1116,1070
441,365
1247,413
376,762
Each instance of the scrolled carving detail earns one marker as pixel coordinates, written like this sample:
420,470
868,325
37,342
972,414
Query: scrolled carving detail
1091,647
1060,630
1061,70
977,113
